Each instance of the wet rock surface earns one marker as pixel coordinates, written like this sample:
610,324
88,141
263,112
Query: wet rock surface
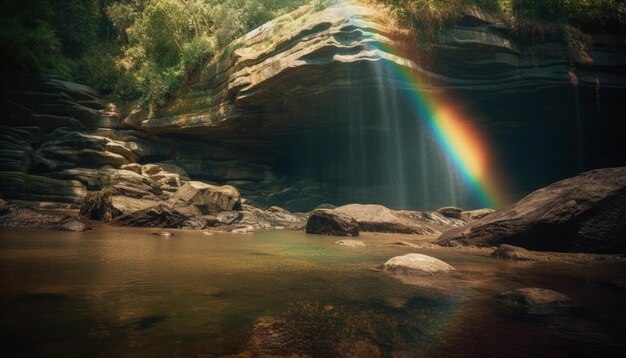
511,252
536,300
377,218
580,214
210,198
417,264
157,216
328,222
12,216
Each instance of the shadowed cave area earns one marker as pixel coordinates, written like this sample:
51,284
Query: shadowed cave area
367,136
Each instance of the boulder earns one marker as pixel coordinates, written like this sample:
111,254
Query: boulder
511,252
417,264
210,198
580,214
536,299
450,211
330,222
272,218
73,225
161,216
377,218
229,217
106,205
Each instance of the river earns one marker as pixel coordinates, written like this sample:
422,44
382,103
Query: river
123,292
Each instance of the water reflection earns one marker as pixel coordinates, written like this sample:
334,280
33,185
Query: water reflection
117,291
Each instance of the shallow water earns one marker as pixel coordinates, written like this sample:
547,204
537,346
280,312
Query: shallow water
120,291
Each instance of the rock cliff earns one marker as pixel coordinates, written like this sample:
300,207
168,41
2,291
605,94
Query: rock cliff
309,108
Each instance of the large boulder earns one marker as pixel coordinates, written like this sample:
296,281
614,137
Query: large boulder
272,218
377,218
329,222
417,264
106,205
210,198
580,214
162,216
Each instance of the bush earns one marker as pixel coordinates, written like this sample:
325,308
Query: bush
196,52
98,68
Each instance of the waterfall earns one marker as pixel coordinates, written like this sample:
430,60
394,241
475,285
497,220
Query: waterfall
393,158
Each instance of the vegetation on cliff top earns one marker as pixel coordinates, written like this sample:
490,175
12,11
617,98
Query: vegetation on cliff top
143,49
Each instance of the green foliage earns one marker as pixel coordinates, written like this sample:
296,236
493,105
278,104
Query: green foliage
27,38
144,49
131,49
165,40
98,67
532,20
319,5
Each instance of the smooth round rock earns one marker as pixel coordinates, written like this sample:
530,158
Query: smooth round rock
417,264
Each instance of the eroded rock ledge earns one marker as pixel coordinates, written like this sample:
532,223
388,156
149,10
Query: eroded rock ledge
269,114
580,214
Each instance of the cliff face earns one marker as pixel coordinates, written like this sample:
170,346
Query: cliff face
309,108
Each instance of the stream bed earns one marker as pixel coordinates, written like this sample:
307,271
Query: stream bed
123,292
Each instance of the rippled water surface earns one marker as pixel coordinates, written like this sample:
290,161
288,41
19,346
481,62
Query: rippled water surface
117,291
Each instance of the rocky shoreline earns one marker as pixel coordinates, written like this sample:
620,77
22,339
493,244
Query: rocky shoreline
567,211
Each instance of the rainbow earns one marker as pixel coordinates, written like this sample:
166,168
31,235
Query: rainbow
460,139
457,135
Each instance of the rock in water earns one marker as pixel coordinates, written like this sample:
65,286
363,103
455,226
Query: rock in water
329,222
350,243
210,198
512,253
536,299
105,205
417,264
157,216
580,214
248,229
74,225
377,218
162,233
